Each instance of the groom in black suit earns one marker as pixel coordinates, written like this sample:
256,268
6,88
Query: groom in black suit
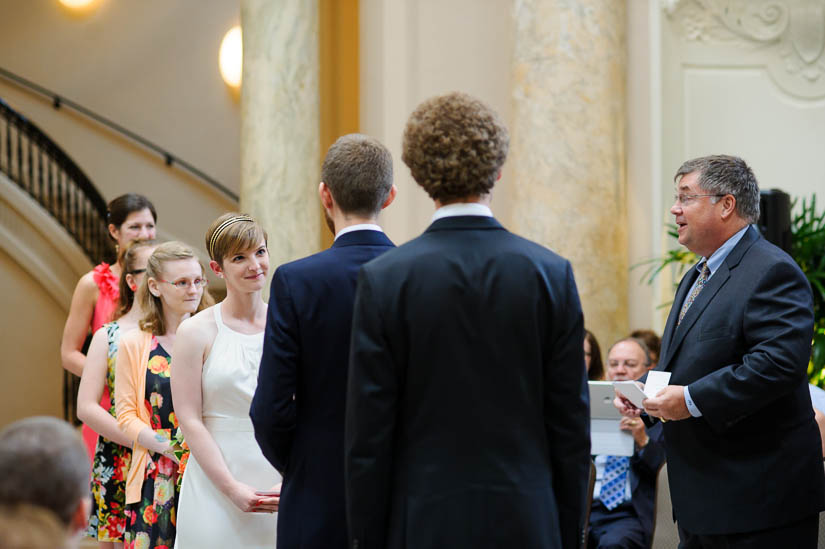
467,411
743,450
298,407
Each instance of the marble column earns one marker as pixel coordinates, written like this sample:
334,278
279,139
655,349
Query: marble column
280,131
567,155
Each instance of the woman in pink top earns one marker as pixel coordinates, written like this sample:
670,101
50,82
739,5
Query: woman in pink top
130,216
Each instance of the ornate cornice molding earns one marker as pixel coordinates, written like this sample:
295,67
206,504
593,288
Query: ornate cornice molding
787,36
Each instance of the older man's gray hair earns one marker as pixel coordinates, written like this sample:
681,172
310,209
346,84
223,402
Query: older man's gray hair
43,463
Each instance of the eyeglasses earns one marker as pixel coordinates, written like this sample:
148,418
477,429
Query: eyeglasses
685,199
183,284
626,363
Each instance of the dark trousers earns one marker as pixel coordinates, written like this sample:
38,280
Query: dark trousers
616,529
801,534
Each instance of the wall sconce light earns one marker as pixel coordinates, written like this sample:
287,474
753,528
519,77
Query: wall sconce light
230,57
77,4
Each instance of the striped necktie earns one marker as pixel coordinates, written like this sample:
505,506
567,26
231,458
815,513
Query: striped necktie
700,283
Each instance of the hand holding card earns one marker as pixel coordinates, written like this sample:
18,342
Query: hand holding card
631,391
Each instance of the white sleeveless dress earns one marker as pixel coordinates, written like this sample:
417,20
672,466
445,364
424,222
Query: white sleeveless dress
207,518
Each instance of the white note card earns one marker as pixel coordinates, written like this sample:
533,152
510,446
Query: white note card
656,381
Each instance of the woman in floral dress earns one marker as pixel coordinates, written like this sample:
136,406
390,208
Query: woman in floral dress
130,217
107,521
172,290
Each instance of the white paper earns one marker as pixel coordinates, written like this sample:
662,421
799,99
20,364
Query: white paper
631,392
607,438
656,381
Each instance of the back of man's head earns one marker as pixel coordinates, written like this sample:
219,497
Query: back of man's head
455,146
44,464
358,172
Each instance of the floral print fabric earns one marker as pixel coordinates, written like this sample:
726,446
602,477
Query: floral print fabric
151,521
110,465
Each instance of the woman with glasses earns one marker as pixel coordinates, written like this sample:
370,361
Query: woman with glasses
107,521
130,216
228,487
173,289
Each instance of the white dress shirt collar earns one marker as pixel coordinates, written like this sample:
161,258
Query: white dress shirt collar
462,208
359,227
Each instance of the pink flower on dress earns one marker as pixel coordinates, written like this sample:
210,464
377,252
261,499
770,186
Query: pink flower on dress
167,467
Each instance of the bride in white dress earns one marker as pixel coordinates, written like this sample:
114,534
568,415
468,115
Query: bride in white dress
228,494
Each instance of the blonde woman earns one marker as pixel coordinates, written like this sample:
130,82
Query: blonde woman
172,290
107,521
227,492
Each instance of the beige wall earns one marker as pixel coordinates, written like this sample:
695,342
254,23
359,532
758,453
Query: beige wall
150,66
31,327
413,50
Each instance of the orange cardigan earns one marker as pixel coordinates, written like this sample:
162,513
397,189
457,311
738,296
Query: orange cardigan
130,393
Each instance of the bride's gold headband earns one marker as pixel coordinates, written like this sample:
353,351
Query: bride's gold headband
221,228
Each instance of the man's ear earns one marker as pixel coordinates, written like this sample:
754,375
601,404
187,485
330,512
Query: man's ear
728,206
325,195
390,197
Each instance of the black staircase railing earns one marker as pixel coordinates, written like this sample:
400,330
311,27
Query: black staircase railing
171,160
29,158
41,168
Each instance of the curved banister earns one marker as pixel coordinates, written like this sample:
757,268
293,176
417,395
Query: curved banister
46,173
170,159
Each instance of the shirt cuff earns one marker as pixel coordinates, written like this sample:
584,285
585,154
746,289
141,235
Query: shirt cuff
691,406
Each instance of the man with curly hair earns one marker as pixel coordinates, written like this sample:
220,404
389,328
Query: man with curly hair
467,411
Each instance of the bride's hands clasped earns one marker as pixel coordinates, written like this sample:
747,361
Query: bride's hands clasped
249,501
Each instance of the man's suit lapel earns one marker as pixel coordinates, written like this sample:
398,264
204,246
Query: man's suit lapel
673,317
712,287
673,334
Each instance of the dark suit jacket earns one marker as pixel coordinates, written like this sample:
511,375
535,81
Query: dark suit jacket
644,470
753,460
306,351
467,405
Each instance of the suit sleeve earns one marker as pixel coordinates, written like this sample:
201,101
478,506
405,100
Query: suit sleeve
567,413
372,393
777,328
647,460
273,409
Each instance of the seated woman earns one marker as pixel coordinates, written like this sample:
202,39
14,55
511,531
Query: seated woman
217,354
114,449
172,290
